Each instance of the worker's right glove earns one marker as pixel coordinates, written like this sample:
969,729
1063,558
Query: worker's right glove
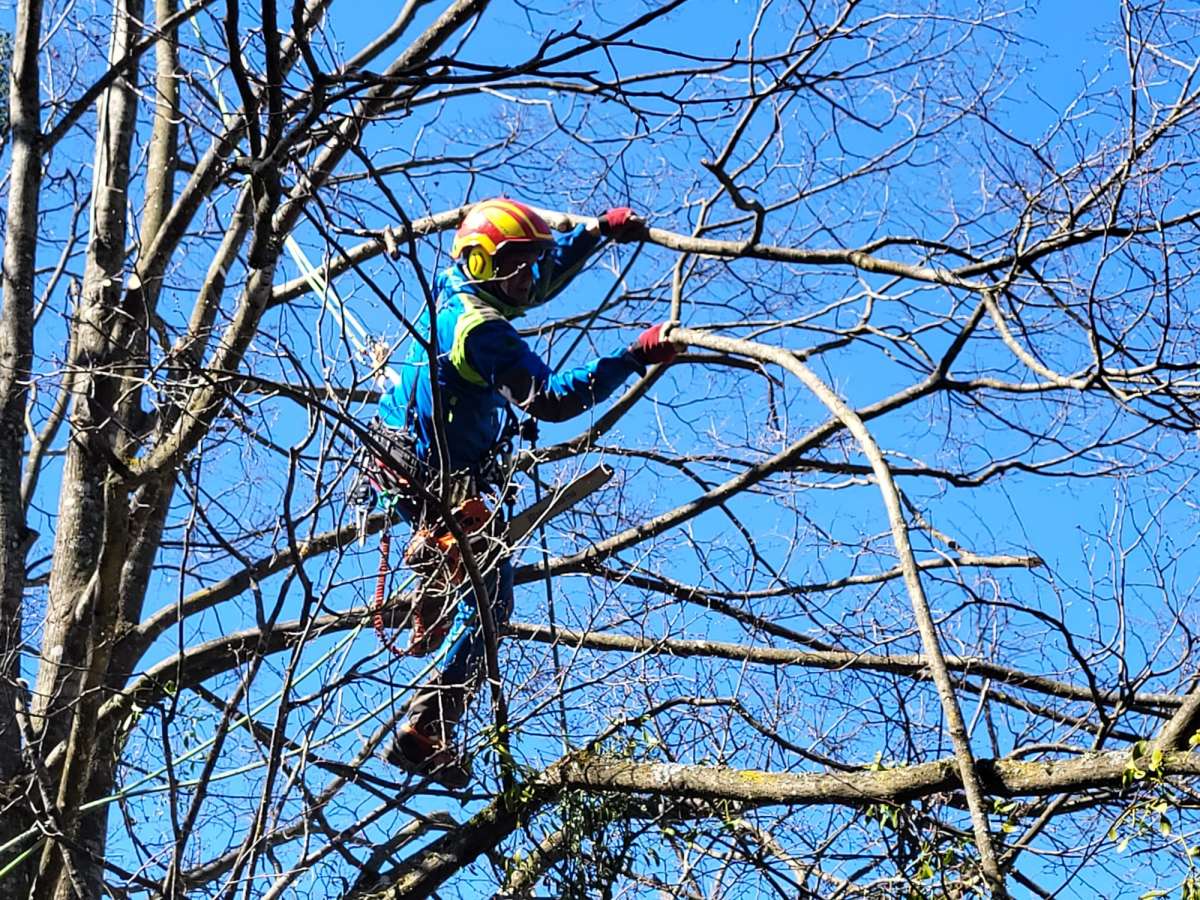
651,349
622,224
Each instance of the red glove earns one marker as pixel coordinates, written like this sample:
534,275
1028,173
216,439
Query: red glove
622,224
650,348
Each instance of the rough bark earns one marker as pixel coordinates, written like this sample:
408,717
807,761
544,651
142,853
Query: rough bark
92,534
149,504
1007,778
164,141
16,353
422,874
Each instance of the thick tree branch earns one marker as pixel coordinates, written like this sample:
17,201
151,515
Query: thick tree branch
839,660
422,874
912,579
1008,778
119,68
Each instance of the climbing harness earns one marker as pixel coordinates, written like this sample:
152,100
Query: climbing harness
434,557
395,477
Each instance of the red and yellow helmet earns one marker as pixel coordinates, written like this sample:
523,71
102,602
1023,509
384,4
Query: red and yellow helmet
493,224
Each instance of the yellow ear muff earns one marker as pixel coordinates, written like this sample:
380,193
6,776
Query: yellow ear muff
479,264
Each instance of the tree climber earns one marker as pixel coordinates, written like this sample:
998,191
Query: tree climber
506,260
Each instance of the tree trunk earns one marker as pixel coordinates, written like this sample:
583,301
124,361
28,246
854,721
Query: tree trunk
91,539
16,354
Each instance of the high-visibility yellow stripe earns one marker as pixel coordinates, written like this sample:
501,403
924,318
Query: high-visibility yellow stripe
506,223
468,319
522,219
478,239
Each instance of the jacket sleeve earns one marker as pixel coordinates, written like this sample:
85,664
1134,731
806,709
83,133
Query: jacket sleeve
564,261
506,362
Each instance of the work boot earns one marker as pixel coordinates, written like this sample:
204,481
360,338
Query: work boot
421,754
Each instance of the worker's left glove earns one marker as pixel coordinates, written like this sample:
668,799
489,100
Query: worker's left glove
651,349
622,224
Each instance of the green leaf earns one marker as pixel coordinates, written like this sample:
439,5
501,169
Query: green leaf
1164,826
1123,845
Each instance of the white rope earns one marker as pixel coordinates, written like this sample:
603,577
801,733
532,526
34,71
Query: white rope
336,307
333,303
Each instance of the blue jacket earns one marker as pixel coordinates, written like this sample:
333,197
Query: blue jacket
483,363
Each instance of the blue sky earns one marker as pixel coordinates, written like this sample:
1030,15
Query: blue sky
1067,520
